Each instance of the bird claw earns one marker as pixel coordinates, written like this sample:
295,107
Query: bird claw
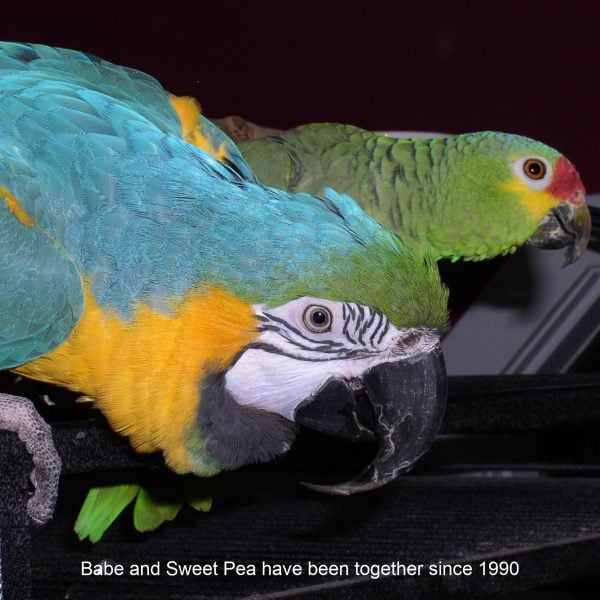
20,416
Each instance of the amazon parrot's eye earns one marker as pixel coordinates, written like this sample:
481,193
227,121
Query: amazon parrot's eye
534,168
317,318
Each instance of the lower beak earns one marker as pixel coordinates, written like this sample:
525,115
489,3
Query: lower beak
566,225
402,409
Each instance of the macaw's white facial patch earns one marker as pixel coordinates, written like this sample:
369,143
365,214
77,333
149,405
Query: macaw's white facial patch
309,341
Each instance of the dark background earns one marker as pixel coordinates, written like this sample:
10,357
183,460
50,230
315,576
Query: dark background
523,67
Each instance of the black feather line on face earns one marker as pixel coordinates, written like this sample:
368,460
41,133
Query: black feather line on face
348,316
368,324
350,310
362,320
355,353
327,346
294,330
378,327
385,330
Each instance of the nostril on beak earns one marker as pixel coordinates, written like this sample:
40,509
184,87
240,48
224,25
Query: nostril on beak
579,196
355,384
407,341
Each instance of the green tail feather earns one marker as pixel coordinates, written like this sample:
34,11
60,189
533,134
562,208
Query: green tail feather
153,509
199,493
201,504
150,511
159,500
101,507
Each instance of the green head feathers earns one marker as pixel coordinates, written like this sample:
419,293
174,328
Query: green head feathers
376,269
327,247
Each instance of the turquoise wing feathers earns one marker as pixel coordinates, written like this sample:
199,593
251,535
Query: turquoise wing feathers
111,185
41,292
51,67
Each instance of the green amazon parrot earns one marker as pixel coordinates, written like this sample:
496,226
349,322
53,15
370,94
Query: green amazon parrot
206,315
472,196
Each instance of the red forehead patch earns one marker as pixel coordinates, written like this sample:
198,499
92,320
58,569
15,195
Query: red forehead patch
566,183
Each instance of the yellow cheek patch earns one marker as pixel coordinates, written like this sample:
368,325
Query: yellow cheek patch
188,110
536,202
144,374
14,206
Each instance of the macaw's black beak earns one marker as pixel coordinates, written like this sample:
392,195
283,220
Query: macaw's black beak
401,408
566,225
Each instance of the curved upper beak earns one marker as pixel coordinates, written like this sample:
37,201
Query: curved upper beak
402,409
567,225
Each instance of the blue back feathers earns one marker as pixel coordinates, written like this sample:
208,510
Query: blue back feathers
93,154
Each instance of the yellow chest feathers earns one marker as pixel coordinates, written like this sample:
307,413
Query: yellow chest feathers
144,374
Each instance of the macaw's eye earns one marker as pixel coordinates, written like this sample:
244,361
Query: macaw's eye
317,318
534,168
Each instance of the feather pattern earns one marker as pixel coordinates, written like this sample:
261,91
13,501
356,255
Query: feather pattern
448,195
101,507
41,296
142,211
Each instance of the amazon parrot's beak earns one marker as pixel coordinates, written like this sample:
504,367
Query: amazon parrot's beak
401,408
567,225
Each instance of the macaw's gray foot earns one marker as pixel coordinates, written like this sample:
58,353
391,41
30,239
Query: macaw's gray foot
20,416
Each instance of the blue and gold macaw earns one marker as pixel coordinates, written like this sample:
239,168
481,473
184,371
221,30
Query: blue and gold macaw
206,315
